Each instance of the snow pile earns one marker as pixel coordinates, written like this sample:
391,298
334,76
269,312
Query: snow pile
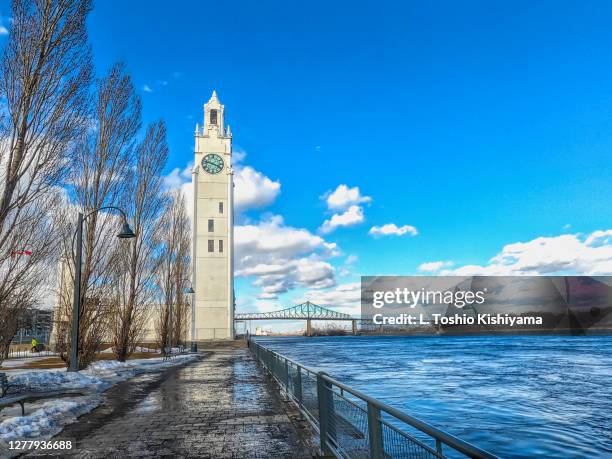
98,377
56,379
109,350
147,349
21,361
113,370
49,419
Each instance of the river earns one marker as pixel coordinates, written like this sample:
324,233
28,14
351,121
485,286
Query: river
516,396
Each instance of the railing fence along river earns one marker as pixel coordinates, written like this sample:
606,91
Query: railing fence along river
352,424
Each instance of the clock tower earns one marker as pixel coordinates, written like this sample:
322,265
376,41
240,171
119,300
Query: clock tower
212,315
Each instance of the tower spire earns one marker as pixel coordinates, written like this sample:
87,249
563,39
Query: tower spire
213,116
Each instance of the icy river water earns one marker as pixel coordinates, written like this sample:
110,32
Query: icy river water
522,396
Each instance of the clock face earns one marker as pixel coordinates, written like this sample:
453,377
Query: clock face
212,163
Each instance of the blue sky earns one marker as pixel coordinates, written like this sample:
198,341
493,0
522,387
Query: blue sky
480,124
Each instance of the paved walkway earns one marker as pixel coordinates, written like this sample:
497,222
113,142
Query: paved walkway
221,406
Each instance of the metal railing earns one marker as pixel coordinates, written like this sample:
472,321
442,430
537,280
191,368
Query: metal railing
352,424
26,353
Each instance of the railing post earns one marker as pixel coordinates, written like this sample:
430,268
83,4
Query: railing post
327,430
298,386
277,367
377,450
287,375
439,446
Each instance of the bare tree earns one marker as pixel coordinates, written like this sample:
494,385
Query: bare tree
26,271
100,169
182,272
44,78
174,236
135,270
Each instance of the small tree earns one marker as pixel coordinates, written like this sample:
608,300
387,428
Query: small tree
174,235
99,175
135,268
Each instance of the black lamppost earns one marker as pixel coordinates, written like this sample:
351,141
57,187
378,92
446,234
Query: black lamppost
125,233
189,291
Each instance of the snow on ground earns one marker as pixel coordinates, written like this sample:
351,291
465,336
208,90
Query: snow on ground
109,350
21,361
49,419
147,349
54,414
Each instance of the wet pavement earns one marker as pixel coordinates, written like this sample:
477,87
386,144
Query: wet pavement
221,406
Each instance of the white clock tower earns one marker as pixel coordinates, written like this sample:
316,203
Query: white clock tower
213,223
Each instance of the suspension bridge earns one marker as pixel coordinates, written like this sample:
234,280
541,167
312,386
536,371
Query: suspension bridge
306,311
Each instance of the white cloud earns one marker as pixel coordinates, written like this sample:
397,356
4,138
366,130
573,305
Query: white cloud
565,254
282,258
391,229
181,179
343,197
345,269
599,238
315,273
238,155
434,266
178,177
253,189
351,259
352,216
272,240
147,88
3,30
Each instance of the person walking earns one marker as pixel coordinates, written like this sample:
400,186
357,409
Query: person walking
34,345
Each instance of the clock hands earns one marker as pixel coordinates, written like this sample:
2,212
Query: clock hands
212,163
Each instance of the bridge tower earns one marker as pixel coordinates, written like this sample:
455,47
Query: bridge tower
213,227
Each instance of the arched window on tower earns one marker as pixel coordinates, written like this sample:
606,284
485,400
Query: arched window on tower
213,117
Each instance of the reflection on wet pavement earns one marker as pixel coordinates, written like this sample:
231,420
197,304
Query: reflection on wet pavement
221,406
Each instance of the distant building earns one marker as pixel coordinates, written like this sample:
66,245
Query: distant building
61,320
34,323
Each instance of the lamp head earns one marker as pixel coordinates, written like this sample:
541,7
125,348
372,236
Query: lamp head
126,232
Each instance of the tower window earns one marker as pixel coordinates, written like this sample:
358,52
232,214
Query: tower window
220,207
213,117
211,245
221,246
211,225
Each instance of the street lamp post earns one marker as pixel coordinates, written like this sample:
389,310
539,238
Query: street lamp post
125,233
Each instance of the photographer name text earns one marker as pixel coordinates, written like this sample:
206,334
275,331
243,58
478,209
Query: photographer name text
456,319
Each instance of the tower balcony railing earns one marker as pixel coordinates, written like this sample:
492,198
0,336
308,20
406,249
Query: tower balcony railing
352,424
